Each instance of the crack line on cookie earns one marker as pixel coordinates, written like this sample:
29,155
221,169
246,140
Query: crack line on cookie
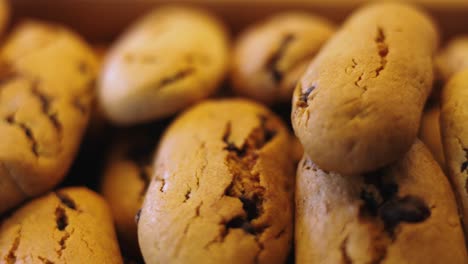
186,229
46,102
304,96
10,258
27,132
66,200
181,74
272,64
245,184
45,260
382,49
346,259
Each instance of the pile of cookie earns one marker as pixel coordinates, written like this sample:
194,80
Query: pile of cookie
201,162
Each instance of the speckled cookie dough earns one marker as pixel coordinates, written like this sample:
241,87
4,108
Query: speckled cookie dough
72,225
222,188
359,105
47,78
454,128
168,60
126,179
270,56
453,58
405,213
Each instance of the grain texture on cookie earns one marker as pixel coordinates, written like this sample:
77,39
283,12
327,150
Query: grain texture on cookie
46,88
221,188
453,58
168,60
454,128
429,133
359,104
405,213
72,225
270,56
127,175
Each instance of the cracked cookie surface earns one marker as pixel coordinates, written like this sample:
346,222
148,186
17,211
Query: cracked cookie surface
72,225
454,129
359,104
168,60
221,188
126,179
46,87
270,56
404,213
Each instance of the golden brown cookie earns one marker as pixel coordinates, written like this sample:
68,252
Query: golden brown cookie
429,133
454,128
4,15
125,181
453,58
405,213
221,189
358,106
171,58
270,56
72,225
46,88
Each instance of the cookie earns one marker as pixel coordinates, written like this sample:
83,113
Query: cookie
453,58
429,133
46,88
171,58
72,225
4,15
358,106
405,213
125,180
222,188
270,56
454,129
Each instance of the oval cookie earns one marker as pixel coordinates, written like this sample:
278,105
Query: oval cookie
72,225
454,128
221,191
270,56
453,58
126,178
168,60
405,213
358,106
46,88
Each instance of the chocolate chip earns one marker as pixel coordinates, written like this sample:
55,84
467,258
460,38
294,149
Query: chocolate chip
302,102
61,218
371,204
409,209
239,222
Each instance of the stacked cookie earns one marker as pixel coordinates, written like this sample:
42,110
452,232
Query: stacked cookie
367,191
191,175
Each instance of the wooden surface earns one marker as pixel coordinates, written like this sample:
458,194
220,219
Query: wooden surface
102,20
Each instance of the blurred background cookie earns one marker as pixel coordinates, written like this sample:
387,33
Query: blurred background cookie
269,56
169,59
